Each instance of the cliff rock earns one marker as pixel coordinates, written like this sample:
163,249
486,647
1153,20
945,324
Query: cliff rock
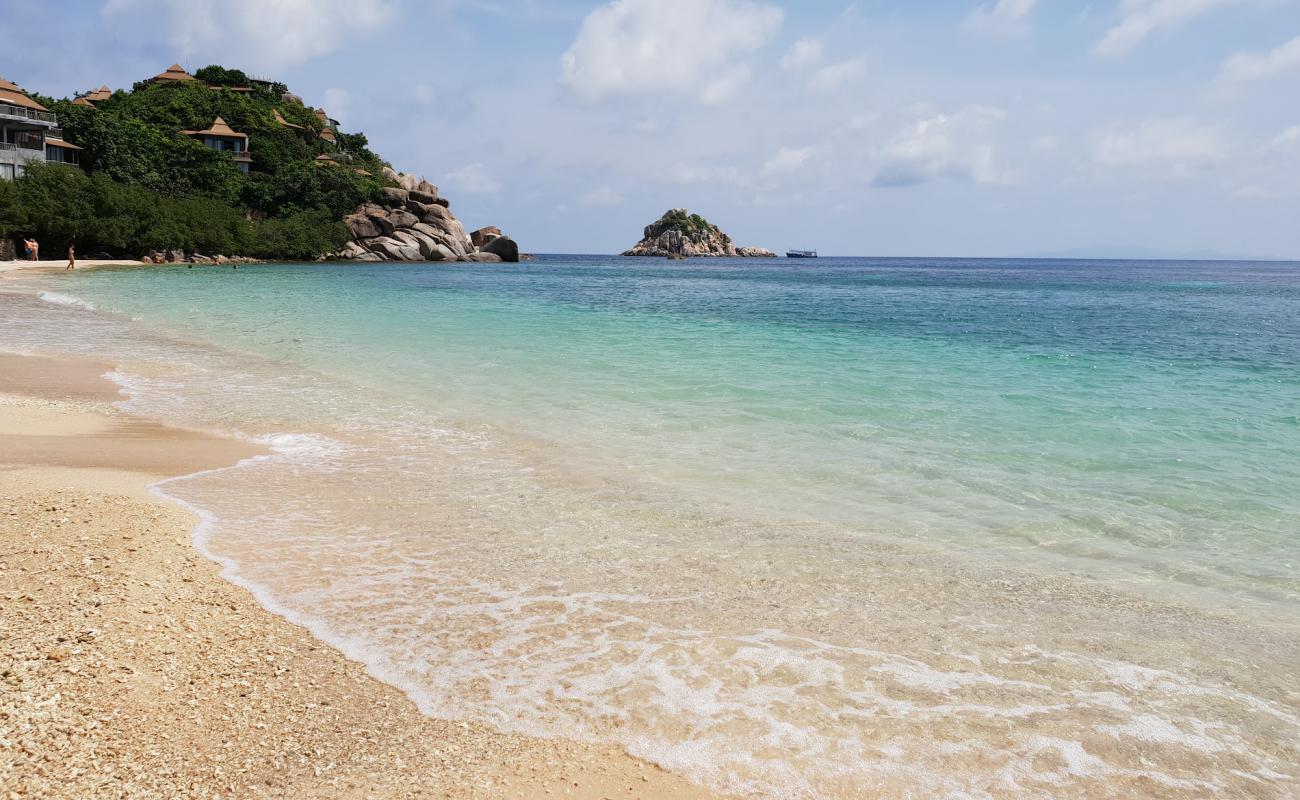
681,234
412,222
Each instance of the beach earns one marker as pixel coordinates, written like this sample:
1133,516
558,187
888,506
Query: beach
869,528
133,669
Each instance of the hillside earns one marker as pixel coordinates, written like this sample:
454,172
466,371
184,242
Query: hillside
148,181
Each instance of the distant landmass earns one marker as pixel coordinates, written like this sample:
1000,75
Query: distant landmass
681,234
1137,253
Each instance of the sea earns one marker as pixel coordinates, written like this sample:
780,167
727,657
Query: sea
844,528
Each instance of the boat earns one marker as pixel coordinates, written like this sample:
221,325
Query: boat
801,254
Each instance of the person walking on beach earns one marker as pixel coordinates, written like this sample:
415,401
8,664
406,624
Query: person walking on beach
72,257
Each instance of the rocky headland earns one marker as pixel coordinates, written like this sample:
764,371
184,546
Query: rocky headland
412,222
681,234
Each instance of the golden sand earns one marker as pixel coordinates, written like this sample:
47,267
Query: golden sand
131,669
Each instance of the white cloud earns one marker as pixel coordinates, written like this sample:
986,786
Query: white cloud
807,52
472,179
253,34
1004,17
835,76
1045,144
788,159
1140,18
691,47
602,196
1257,66
1287,138
945,146
1179,143
705,174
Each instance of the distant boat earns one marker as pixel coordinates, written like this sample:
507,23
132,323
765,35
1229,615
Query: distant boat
801,254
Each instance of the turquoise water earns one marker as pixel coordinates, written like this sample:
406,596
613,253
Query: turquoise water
918,527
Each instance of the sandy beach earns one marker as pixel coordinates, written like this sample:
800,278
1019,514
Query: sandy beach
59,264
132,669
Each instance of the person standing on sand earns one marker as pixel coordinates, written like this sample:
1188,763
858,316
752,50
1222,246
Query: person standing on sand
72,257
36,250
29,248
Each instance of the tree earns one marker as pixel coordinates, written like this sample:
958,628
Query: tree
215,75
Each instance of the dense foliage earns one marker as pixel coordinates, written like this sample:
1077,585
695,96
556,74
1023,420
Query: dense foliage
693,226
147,186
59,205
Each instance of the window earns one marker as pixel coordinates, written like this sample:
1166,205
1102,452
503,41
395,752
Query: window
6,172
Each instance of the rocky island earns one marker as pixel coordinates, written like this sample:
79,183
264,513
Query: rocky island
681,234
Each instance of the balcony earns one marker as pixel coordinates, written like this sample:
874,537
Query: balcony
27,140
8,111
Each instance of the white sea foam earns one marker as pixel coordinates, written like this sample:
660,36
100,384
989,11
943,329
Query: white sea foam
304,448
59,299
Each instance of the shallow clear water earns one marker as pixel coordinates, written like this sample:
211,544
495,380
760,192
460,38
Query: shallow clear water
851,528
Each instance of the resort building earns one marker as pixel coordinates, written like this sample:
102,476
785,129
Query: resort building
284,122
26,127
94,97
221,137
58,151
329,127
174,73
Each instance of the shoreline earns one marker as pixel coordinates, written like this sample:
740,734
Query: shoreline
58,265
135,669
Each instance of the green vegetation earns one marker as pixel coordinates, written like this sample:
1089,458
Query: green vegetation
693,226
146,186
62,204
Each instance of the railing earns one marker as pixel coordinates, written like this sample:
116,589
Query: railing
7,146
25,140
27,113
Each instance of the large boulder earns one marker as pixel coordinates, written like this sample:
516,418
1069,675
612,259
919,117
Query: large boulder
395,249
379,218
482,236
353,250
484,258
504,247
754,252
434,211
418,196
441,253
402,218
362,227
395,198
432,231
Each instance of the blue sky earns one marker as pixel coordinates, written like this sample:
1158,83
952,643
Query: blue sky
954,127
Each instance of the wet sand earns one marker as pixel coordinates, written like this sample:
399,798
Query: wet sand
50,265
132,669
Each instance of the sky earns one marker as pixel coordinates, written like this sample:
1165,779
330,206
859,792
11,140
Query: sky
939,128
